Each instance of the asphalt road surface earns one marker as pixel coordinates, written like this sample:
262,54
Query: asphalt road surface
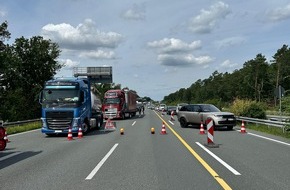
179,159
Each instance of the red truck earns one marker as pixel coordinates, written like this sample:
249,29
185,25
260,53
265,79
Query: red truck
119,104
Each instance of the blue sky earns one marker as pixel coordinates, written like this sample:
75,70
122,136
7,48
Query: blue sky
155,47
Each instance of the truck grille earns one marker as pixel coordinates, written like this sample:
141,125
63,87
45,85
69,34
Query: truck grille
59,120
111,112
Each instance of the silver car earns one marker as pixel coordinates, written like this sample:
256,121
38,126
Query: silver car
199,113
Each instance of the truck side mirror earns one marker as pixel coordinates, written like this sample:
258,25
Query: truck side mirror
40,97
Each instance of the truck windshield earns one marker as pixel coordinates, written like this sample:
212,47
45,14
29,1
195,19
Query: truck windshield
112,101
60,97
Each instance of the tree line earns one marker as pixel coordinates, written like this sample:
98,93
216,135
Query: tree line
256,81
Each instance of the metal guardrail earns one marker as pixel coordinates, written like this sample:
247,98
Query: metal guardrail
18,123
281,124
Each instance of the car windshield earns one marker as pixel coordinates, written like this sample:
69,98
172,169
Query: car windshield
209,108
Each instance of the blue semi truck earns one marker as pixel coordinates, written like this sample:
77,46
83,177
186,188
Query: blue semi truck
69,102
73,102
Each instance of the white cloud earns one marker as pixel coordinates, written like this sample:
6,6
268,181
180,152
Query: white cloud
281,13
100,54
228,64
208,19
173,45
83,37
137,12
228,42
183,60
68,63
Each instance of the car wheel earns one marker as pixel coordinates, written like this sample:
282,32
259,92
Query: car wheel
183,123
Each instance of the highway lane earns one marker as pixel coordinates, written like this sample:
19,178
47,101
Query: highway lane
262,163
142,160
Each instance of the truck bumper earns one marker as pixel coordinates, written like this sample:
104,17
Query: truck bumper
65,131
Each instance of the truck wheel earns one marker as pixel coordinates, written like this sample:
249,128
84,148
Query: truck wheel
183,123
86,127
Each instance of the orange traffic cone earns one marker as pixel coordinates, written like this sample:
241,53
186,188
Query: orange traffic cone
163,131
201,131
70,135
6,137
243,128
80,133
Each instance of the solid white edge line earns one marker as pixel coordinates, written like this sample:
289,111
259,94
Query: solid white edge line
133,123
95,170
281,142
219,160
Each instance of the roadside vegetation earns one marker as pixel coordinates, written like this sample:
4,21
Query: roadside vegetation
269,130
22,128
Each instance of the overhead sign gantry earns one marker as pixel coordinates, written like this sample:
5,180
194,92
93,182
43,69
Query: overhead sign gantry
95,74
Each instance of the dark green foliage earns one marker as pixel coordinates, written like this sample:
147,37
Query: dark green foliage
25,66
255,110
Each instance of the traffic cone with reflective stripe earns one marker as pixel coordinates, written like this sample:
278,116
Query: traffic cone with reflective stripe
70,135
243,128
6,137
201,131
163,130
80,133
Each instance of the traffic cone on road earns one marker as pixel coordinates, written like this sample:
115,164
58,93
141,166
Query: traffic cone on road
70,135
80,133
163,130
6,137
243,128
201,131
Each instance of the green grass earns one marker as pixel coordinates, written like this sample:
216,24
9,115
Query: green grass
277,131
22,128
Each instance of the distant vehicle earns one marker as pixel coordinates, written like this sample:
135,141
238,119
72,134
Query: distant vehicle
69,103
170,109
162,107
119,104
199,113
179,106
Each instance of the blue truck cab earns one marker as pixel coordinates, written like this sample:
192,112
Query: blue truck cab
69,103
